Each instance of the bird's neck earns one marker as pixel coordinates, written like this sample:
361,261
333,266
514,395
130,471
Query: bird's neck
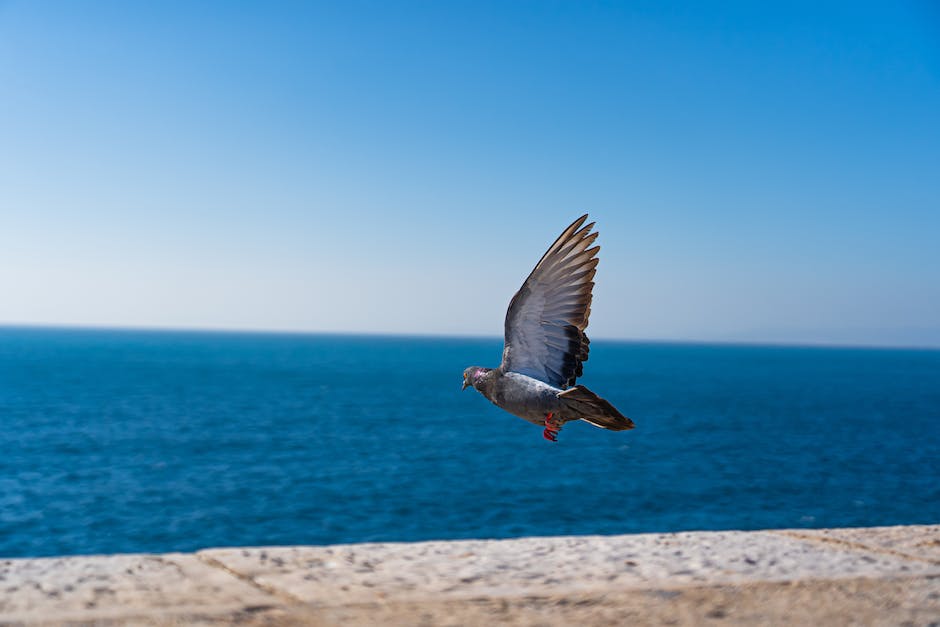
484,382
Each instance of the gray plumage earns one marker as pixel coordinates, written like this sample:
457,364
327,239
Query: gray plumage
545,344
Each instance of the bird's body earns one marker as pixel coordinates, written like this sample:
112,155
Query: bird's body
520,395
546,345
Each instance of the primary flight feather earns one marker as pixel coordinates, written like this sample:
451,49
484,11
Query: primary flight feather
545,344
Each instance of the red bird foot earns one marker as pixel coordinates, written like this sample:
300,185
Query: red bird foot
551,428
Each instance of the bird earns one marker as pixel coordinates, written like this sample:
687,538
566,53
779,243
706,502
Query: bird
545,345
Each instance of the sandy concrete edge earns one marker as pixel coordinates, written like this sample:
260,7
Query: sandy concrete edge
886,575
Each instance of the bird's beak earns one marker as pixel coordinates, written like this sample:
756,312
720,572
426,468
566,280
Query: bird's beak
466,383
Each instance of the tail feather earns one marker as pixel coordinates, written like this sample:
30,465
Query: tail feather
581,403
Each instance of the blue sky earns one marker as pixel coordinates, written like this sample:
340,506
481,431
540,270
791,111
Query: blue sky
758,173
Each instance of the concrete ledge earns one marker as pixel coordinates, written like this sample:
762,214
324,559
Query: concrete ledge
886,575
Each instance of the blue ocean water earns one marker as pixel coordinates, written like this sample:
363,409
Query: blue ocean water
127,441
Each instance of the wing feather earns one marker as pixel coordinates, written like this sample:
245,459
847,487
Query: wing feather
546,319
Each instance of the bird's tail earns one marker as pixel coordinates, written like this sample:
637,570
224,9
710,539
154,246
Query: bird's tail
581,403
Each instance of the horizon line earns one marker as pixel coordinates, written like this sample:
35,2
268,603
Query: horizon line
431,335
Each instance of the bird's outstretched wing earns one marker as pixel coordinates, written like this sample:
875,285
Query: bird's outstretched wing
546,319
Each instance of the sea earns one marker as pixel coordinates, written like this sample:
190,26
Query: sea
155,441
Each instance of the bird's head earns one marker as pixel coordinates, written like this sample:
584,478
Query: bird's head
473,375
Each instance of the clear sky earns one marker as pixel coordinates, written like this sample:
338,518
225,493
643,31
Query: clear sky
758,171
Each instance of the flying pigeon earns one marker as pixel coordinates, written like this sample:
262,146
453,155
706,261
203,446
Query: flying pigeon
545,345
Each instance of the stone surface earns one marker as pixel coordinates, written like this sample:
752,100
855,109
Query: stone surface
119,585
361,573
916,541
828,602
878,576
